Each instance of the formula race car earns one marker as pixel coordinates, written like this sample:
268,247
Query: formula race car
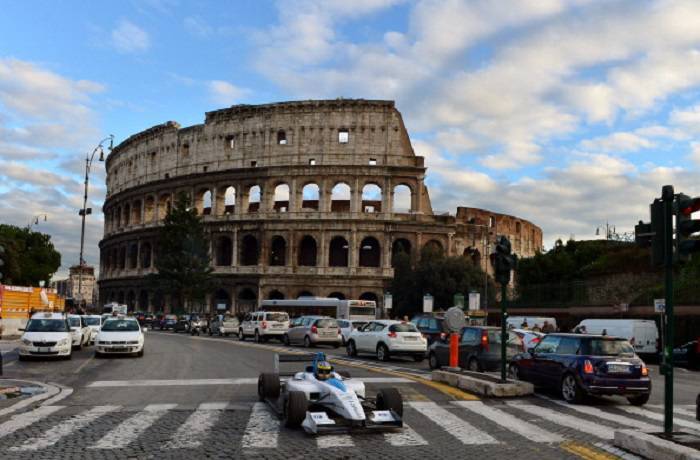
321,400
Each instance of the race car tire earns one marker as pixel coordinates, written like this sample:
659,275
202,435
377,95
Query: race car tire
351,349
268,386
344,374
295,409
390,399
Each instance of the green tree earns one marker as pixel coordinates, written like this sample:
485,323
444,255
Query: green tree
182,256
29,257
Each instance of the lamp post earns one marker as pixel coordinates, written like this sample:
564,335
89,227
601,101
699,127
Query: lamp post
85,211
35,220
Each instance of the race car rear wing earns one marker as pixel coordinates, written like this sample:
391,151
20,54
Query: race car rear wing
292,358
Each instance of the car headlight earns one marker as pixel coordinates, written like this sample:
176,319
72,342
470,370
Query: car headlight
26,341
62,342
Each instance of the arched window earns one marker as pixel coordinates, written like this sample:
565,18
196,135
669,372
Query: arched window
136,212
230,200
281,198
434,245
249,250
247,300
206,203
340,198
163,206
119,217
224,251
307,252
336,295
400,246
281,137
310,197
146,255
278,251
338,254
304,294
401,202
254,193
127,214
371,198
133,255
368,296
149,211
275,295
370,253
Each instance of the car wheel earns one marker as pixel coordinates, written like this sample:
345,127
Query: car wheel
268,386
285,339
350,348
570,389
295,409
473,365
390,399
140,353
211,332
307,342
639,400
382,352
241,335
433,362
514,372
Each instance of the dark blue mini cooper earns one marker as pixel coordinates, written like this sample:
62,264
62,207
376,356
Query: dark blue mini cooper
581,364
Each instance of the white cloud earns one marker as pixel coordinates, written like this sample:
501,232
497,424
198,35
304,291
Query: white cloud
225,93
127,37
620,142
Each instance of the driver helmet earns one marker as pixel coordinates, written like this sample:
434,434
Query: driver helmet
323,370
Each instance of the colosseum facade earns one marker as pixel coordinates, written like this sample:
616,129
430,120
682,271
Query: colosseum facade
300,198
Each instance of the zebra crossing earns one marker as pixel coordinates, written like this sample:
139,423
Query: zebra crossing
538,421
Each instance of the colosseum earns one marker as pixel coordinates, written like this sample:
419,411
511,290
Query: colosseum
300,198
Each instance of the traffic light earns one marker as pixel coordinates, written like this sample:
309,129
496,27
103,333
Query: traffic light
657,232
503,261
642,234
684,207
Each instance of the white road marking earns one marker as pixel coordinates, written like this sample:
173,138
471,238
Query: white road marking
191,433
405,437
65,392
510,422
65,428
619,453
130,429
19,421
600,414
659,417
569,421
52,390
262,429
233,381
334,440
678,409
454,425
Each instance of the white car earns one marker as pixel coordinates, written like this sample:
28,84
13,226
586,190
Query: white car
120,335
347,326
263,325
79,331
46,334
387,338
93,322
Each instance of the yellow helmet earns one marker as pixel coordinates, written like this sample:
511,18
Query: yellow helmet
323,370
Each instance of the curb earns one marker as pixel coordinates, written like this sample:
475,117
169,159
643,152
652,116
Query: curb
484,385
53,391
650,446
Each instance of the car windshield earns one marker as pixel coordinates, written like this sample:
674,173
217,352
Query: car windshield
403,327
170,317
513,339
326,323
74,322
120,325
610,347
46,325
358,324
277,317
92,321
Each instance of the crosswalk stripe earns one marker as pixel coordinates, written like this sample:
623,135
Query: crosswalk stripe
262,429
460,429
510,422
65,428
191,433
131,428
405,437
20,421
600,414
334,440
678,409
569,421
654,416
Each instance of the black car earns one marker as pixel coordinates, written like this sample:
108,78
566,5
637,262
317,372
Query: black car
581,364
182,325
432,327
688,355
479,349
168,322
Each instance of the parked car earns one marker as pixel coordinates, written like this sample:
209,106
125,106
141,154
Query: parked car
347,326
479,349
223,325
529,338
642,334
432,327
46,334
93,322
80,332
263,325
182,324
688,355
387,338
537,322
313,330
581,364
168,322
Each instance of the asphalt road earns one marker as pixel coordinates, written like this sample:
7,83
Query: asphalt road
196,396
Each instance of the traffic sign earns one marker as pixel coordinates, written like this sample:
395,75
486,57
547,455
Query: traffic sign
659,305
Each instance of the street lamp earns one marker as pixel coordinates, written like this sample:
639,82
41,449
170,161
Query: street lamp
85,211
35,220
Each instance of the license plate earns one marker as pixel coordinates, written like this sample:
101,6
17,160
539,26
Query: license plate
619,369
120,349
44,350
277,326
410,339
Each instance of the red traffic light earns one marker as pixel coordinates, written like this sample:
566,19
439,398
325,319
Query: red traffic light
688,205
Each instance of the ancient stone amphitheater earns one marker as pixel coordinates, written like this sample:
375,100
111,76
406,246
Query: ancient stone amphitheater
300,198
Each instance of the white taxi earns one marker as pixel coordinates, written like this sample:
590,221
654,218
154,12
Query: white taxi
93,322
79,331
120,335
46,334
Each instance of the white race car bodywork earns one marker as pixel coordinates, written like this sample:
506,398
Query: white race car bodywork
340,395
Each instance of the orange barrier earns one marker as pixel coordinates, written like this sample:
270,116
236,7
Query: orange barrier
19,302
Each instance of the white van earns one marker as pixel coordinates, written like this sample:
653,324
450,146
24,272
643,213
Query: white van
641,333
263,325
532,321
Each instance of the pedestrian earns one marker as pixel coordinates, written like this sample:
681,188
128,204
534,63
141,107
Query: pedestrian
605,332
524,325
405,318
547,328
536,328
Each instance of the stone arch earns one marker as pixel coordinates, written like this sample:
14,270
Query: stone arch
310,197
221,298
281,137
254,197
146,249
122,258
369,296
371,198
275,295
224,251
370,252
338,254
250,252
340,197
336,295
434,245
400,245
278,251
247,299
473,254
164,205
118,213
202,202
281,198
304,293
136,212
230,200
307,251
401,200
149,208
127,214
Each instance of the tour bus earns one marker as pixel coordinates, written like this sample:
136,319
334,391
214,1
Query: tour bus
353,310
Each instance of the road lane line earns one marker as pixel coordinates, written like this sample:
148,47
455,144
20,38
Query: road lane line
600,414
231,381
80,368
405,437
569,421
510,422
659,417
262,429
191,433
586,452
334,440
19,421
457,427
65,428
130,429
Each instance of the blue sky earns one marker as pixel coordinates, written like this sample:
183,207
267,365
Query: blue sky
569,113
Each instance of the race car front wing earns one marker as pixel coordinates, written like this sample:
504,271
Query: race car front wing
320,422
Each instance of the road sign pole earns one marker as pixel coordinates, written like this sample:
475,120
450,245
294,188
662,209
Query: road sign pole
667,195
504,333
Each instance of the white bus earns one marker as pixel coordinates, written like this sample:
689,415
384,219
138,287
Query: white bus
359,310
114,307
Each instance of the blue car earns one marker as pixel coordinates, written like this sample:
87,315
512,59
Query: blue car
580,364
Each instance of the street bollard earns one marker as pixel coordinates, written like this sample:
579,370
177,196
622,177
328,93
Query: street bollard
454,350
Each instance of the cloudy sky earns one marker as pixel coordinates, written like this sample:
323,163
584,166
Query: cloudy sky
570,113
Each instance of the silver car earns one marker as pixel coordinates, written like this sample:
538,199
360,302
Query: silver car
313,330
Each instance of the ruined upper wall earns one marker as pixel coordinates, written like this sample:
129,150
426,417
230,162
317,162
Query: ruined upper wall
280,134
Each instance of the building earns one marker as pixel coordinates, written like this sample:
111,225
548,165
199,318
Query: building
300,198
76,289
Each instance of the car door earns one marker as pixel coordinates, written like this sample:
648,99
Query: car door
543,369
468,346
566,353
294,326
364,338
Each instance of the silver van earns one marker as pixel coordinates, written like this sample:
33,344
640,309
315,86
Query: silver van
263,325
313,330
